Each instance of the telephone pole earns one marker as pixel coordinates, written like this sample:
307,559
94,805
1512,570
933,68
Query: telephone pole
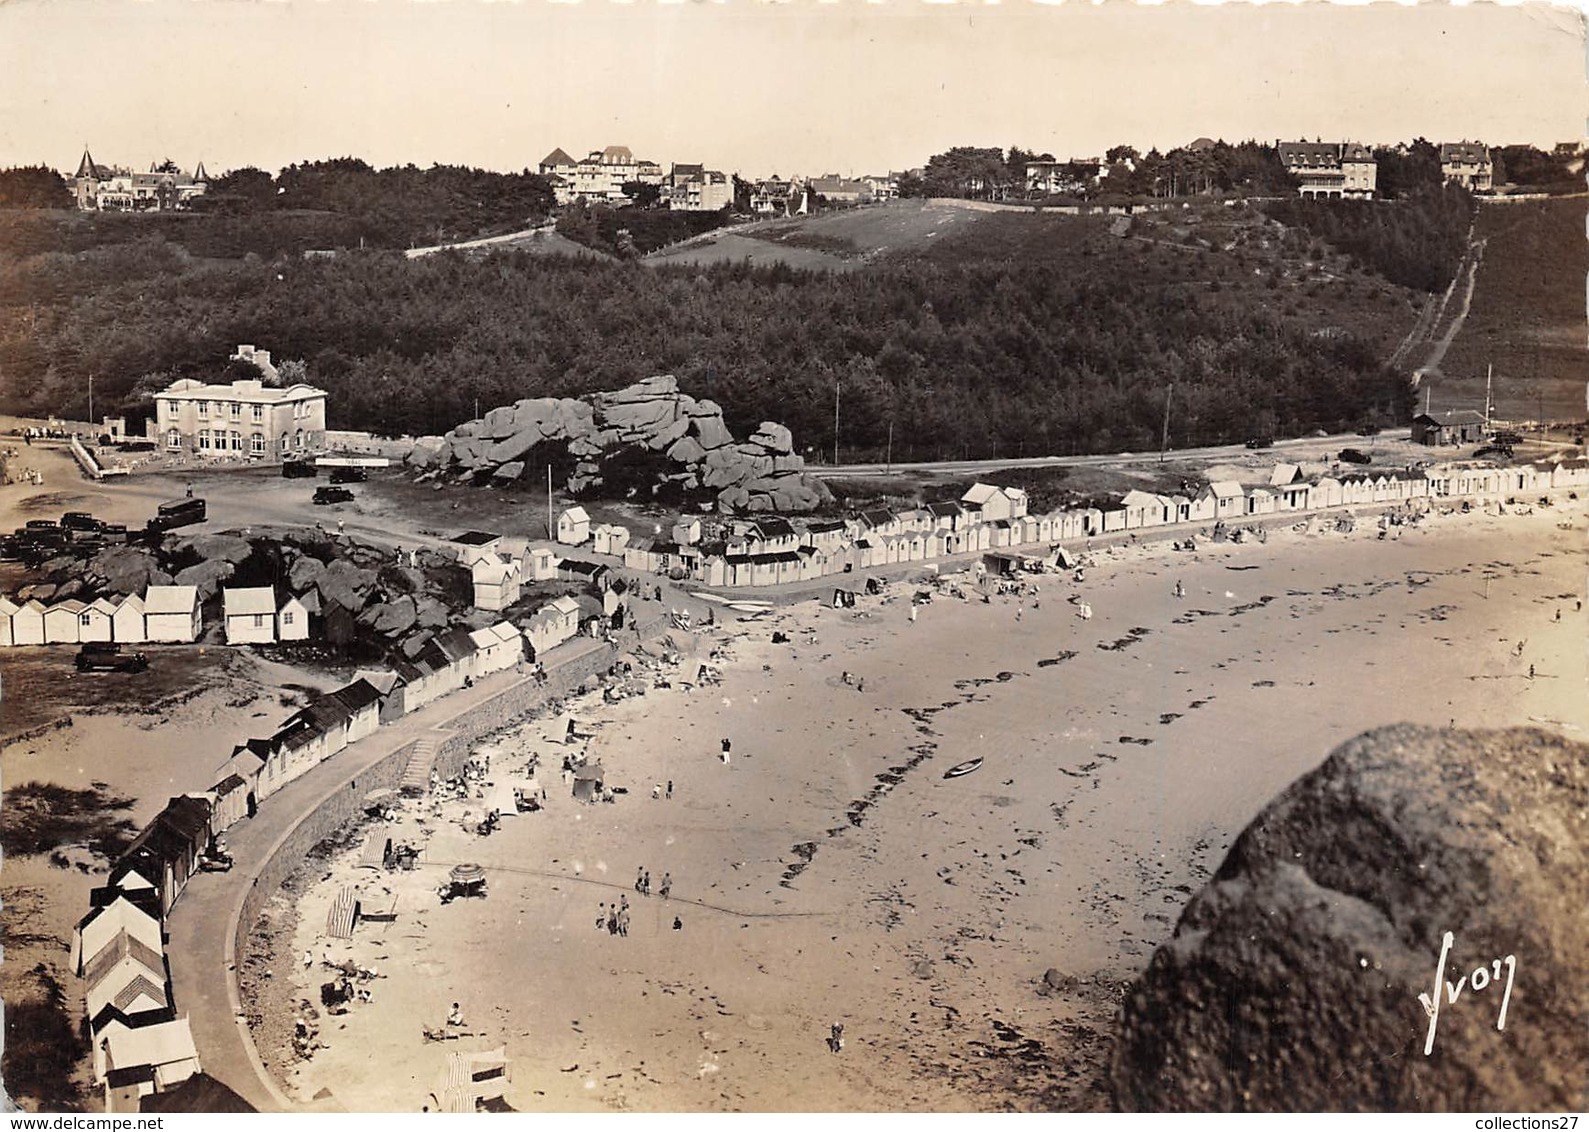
890,464
1164,441
551,533
835,422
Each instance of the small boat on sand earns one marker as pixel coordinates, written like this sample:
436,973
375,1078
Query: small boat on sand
964,768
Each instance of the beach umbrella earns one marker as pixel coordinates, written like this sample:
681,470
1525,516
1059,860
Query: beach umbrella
467,874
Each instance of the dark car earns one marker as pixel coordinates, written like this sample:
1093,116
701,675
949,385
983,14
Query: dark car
324,495
104,656
1368,430
1353,456
1509,439
42,525
349,475
1261,442
299,470
113,533
1498,451
80,521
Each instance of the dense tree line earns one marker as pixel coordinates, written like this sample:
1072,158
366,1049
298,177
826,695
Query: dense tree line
394,208
963,356
1417,242
33,186
1122,174
631,232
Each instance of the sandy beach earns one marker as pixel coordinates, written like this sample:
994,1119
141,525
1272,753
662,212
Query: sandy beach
829,873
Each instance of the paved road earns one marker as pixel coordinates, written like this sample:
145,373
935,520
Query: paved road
202,923
1314,448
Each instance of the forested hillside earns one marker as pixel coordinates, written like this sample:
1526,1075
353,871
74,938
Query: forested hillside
1020,335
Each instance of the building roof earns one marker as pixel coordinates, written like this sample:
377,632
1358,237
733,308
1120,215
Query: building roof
774,526
187,816
358,695
102,605
161,1044
979,493
1464,153
251,601
250,392
557,157
70,606
586,569
476,538
261,749
1283,474
455,643
1225,489
228,784
102,925
171,599
575,515
493,572
617,155
878,518
119,947
564,604
382,682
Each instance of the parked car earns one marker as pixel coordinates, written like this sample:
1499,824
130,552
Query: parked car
80,521
106,656
323,495
1353,456
1261,442
42,525
1368,430
299,469
1499,451
349,475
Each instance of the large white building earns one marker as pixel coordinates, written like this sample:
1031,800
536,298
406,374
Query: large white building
266,422
1468,164
1331,169
103,187
600,177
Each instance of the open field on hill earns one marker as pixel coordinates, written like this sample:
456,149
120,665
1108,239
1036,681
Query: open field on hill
1527,316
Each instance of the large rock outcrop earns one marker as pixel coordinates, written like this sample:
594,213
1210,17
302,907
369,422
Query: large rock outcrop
760,474
1292,980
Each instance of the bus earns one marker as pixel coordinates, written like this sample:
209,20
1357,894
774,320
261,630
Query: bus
177,513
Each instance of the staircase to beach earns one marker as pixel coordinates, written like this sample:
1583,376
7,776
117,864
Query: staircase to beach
416,778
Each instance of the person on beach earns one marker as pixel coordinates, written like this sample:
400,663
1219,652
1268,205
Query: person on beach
1180,590
640,880
912,613
667,885
308,960
656,792
645,885
455,1016
670,789
678,924
1530,671
726,746
601,916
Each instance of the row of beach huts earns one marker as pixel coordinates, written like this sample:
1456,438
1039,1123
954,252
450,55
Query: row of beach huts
772,550
140,1044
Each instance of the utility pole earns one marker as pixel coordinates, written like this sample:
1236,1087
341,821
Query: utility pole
90,398
835,422
1489,379
1164,441
550,533
890,464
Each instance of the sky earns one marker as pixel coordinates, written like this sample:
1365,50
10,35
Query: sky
758,87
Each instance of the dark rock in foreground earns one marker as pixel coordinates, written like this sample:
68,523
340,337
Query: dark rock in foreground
1292,981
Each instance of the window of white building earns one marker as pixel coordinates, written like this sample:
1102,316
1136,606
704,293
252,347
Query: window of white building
256,444
173,439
